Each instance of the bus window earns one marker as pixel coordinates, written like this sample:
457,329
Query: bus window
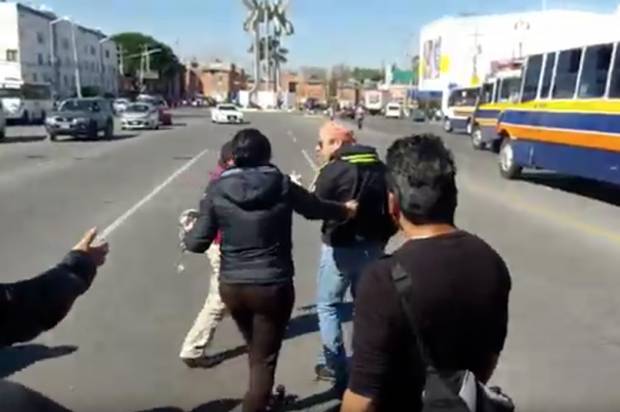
547,76
509,90
487,93
566,74
595,70
614,87
36,92
532,77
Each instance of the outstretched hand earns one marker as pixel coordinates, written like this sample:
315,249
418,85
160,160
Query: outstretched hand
351,206
97,251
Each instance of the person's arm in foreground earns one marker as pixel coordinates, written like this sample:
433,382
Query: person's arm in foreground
204,229
310,206
30,307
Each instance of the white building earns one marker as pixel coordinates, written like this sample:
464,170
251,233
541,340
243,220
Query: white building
459,51
38,47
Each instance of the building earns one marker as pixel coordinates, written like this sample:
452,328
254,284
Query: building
459,51
38,47
219,80
308,83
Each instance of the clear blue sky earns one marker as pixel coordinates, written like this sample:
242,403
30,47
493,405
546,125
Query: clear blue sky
355,32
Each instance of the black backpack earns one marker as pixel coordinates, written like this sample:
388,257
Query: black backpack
446,390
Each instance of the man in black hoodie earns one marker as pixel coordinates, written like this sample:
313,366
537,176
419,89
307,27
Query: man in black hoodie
252,204
351,171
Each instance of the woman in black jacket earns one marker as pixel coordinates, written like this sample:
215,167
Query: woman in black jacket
252,205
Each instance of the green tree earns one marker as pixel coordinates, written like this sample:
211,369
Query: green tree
166,63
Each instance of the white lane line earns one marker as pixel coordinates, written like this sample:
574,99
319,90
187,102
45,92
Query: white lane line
311,162
123,218
292,135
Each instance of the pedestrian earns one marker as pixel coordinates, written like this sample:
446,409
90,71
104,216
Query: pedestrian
30,307
252,205
359,116
354,171
194,352
458,294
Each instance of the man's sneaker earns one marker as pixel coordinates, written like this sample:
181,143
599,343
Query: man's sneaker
204,362
325,373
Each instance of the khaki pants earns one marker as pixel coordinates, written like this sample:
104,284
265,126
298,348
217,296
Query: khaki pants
201,334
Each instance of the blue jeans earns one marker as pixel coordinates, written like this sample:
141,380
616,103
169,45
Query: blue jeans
339,269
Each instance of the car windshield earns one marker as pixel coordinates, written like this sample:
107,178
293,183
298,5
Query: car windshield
76,105
227,108
10,93
138,108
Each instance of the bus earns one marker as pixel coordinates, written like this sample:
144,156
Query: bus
459,108
499,92
568,116
26,102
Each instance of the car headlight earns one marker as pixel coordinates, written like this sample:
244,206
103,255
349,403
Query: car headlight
79,120
50,120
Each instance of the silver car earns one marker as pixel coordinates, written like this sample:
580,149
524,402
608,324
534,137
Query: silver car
140,116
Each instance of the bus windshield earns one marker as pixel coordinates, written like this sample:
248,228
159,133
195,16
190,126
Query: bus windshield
10,93
464,97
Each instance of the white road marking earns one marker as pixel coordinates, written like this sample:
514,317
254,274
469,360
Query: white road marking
310,161
123,218
292,135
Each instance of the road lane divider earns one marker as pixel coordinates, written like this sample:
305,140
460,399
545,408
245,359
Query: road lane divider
131,211
310,161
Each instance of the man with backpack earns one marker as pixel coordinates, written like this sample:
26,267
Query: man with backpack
436,308
350,171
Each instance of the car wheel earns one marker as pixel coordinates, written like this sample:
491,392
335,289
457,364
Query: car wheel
109,129
43,117
26,118
92,133
447,125
476,138
51,136
2,134
508,168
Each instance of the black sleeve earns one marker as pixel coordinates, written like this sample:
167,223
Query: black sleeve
379,331
30,307
310,206
331,178
501,317
205,229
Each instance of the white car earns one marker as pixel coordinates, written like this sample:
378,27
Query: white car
393,111
120,105
226,113
2,123
140,116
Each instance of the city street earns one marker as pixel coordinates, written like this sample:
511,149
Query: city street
118,349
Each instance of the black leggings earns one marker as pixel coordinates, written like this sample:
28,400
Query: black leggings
262,313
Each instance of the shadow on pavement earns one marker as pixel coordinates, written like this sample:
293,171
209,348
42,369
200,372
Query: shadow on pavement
16,358
309,322
223,405
16,397
604,192
118,136
330,396
22,139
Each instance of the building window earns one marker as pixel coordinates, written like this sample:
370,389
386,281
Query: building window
595,70
40,38
65,44
66,78
547,76
11,55
107,54
566,74
92,50
532,76
40,59
35,77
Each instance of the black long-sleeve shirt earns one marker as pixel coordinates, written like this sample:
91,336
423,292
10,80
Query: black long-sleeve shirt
30,307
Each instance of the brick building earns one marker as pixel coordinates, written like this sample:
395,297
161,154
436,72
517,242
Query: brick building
219,80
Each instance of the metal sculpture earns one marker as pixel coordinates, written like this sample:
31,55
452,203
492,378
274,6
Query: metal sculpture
267,22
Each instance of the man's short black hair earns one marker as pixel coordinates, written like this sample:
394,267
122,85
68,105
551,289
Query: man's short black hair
251,148
422,176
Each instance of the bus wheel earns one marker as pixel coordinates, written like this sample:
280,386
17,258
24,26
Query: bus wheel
508,168
476,138
447,125
26,118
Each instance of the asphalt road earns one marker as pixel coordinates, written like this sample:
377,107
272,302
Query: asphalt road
117,351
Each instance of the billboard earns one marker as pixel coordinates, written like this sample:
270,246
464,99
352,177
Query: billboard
431,59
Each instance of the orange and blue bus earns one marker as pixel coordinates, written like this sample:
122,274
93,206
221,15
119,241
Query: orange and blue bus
568,116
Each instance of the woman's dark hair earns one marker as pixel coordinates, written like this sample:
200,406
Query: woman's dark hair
226,154
251,148
422,176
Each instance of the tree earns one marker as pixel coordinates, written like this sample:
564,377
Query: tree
166,63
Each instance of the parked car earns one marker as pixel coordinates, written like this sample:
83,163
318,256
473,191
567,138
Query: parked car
120,105
2,123
226,113
140,116
347,113
81,117
393,111
418,115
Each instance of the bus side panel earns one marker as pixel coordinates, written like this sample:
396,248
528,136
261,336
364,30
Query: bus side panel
602,165
459,123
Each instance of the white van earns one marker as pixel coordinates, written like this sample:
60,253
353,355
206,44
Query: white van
393,111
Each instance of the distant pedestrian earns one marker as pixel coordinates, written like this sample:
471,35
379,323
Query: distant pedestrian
252,205
194,351
359,116
353,171
456,291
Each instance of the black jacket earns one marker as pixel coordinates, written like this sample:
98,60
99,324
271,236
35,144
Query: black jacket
356,172
253,208
32,306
